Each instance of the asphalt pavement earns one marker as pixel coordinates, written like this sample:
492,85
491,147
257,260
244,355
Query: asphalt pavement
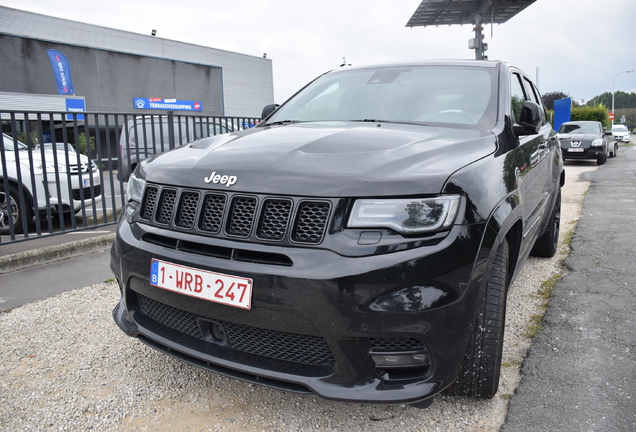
49,265
580,371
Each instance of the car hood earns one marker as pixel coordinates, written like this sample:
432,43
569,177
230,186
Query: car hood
36,157
23,155
61,157
325,159
578,137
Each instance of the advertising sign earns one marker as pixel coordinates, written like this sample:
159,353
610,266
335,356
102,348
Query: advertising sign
75,105
62,72
166,104
562,112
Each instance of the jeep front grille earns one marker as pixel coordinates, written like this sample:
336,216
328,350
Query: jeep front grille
233,215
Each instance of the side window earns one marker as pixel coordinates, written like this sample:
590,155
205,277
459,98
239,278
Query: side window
531,92
518,96
535,96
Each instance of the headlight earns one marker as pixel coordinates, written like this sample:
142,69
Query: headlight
598,142
407,215
135,188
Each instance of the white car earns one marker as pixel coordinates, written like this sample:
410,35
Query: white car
621,133
43,178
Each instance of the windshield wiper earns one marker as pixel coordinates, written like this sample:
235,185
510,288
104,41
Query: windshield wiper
415,123
282,122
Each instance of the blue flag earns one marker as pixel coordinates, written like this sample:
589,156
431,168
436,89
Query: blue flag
62,72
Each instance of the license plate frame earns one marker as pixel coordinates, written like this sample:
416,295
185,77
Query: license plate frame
87,182
215,287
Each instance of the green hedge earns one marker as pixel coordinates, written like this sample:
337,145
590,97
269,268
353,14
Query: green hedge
586,113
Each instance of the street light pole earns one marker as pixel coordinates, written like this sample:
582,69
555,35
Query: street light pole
613,85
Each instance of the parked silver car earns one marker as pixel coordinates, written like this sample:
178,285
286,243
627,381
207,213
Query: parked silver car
621,133
52,177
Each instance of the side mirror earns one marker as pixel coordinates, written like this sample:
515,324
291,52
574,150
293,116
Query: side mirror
268,110
608,133
531,119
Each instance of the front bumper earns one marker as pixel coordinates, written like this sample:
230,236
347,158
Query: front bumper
68,192
587,153
314,325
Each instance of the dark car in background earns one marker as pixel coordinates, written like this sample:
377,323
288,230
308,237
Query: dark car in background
357,244
144,136
586,140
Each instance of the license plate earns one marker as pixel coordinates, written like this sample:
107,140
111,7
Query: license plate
576,150
214,287
87,182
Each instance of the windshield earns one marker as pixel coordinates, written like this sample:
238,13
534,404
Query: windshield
458,96
8,144
580,128
619,128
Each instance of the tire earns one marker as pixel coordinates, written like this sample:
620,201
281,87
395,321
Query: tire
16,206
546,245
479,374
602,159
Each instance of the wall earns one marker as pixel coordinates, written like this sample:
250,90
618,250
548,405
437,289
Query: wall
131,62
108,80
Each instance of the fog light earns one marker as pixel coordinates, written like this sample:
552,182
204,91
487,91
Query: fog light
400,360
218,332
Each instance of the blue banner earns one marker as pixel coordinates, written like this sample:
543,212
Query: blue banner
166,104
62,72
562,112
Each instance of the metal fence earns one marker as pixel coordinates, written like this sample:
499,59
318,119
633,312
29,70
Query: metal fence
68,171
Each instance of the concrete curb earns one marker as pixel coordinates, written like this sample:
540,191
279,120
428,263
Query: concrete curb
45,255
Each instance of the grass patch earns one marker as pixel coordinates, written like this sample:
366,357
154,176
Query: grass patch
545,294
535,327
513,363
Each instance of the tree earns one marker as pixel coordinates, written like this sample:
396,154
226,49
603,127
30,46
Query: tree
621,100
549,98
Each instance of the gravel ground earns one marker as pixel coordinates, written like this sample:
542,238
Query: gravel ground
66,366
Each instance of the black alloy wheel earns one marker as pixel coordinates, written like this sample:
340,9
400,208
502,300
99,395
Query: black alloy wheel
13,204
546,245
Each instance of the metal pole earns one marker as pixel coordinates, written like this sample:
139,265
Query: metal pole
613,85
479,44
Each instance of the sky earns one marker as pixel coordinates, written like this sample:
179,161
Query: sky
578,47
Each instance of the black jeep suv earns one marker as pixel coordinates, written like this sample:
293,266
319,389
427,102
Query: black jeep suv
358,244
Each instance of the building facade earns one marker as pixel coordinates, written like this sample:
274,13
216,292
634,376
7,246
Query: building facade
110,68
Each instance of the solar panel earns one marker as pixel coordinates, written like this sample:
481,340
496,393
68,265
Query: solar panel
449,12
